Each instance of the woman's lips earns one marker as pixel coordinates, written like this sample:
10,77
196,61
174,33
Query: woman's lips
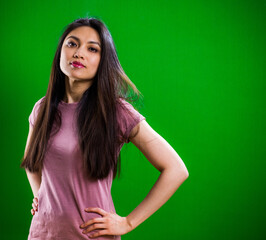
77,65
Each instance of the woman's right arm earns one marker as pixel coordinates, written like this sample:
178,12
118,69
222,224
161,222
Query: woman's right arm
34,178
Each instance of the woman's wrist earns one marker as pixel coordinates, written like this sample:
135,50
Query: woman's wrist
129,224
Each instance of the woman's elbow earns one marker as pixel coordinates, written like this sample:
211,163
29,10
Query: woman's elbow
182,173
185,170
179,170
186,173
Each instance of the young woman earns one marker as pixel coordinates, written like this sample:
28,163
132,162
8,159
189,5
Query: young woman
75,136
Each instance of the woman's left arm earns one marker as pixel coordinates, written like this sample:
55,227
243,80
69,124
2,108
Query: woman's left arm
173,173
163,157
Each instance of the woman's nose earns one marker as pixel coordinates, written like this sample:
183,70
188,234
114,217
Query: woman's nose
79,53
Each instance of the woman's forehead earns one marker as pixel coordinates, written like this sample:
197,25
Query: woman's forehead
84,34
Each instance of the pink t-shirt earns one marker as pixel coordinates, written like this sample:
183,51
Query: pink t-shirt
65,191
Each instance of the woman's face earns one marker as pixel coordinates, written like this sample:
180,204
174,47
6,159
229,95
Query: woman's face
81,45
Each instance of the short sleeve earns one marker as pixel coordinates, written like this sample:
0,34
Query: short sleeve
34,113
128,118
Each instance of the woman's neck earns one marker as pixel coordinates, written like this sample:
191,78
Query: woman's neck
75,89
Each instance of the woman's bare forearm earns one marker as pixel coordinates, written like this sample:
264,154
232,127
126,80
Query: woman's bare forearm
35,181
173,172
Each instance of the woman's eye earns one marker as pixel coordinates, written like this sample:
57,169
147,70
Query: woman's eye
93,49
71,43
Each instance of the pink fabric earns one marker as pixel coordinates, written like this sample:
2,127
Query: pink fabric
65,192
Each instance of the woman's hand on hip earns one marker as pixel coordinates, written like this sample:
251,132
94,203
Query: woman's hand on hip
109,224
34,205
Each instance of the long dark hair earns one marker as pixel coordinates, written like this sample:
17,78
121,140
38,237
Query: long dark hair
97,121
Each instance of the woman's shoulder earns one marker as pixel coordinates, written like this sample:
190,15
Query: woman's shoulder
127,109
38,102
128,117
121,100
124,103
35,110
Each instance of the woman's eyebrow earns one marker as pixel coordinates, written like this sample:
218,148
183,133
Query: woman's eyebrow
76,38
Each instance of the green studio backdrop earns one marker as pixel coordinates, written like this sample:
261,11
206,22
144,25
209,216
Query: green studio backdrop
200,66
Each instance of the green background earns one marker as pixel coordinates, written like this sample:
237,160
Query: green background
201,68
